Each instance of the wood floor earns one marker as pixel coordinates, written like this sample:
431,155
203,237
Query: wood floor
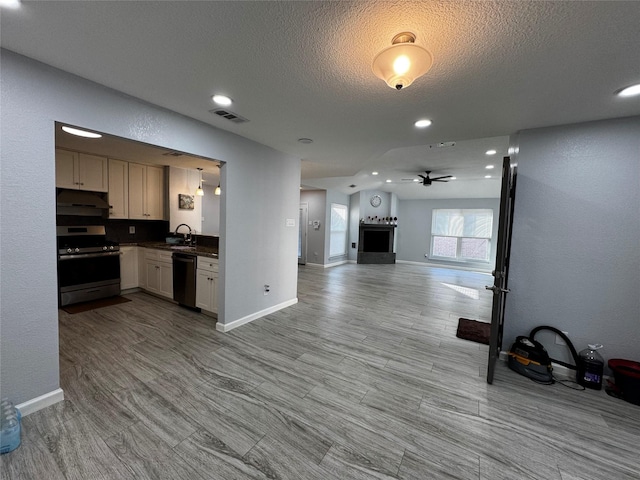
362,379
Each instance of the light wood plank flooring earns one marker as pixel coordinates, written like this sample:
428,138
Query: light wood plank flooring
363,378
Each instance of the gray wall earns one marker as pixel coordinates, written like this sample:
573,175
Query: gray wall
414,229
317,205
575,257
260,191
210,210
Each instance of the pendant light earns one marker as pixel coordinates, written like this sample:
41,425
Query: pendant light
217,191
401,63
199,190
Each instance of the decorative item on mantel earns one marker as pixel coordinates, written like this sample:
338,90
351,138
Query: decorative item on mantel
379,220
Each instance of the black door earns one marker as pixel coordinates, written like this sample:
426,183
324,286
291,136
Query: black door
501,273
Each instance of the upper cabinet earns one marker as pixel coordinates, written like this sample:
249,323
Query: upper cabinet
118,189
146,192
81,171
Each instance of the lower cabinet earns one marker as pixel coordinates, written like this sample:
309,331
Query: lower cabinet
207,284
128,268
158,272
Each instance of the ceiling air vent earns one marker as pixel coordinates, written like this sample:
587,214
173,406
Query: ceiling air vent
172,154
233,117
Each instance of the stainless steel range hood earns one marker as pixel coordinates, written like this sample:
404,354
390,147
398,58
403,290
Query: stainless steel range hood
78,202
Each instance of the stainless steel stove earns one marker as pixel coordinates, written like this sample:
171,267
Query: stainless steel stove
88,264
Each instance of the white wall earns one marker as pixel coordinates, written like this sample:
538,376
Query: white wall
210,211
255,246
575,256
414,229
184,181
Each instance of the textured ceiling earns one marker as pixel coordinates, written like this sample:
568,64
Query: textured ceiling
303,69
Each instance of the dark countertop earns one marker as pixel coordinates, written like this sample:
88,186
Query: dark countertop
195,251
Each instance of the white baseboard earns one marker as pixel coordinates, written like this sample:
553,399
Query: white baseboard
38,403
326,265
225,327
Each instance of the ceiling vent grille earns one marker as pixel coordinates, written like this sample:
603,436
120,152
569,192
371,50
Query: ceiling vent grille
233,117
172,154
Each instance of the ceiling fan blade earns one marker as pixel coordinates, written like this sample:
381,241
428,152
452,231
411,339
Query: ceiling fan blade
422,176
438,178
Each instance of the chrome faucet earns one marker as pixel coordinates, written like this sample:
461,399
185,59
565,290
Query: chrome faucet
186,236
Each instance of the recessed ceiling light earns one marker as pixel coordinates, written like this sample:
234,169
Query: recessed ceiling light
489,167
487,176
630,91
453,178
374,173
388,180
80,133
306,141
491,152
422,123
222,100
416,179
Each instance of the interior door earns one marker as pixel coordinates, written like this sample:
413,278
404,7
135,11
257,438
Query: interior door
501,273
302,234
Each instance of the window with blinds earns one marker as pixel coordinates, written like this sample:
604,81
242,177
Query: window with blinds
338,232
461,234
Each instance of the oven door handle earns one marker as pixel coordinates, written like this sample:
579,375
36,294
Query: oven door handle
87,255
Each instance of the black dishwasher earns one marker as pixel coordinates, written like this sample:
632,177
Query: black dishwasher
184,279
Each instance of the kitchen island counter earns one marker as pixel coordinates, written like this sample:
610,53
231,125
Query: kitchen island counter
195,250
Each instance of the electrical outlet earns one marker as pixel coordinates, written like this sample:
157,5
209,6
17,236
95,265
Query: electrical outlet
132,230
559,340
267,289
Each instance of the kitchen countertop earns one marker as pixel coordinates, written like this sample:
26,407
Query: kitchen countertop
196,250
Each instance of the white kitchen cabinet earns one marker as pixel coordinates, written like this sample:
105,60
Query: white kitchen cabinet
81,171
158,272
146,192
118,189
128,268
207,284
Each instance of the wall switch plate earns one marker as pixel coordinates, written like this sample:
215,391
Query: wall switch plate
290,222
353,244
132,230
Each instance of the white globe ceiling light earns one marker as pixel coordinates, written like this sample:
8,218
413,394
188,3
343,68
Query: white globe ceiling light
401,63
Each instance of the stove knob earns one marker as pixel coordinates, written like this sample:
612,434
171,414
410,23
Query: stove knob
69,250
111,247
104,248
77,250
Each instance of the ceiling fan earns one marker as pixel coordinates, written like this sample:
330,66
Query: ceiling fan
426,180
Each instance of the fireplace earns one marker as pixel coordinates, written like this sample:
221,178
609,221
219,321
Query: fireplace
375,244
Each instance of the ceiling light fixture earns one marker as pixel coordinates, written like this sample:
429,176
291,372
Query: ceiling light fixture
306,141
10,3
401,63
81,133
222,100
453,178
422,123
199,190
388,180
374,173
218,191
491,152
630,91
489,167
487,176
